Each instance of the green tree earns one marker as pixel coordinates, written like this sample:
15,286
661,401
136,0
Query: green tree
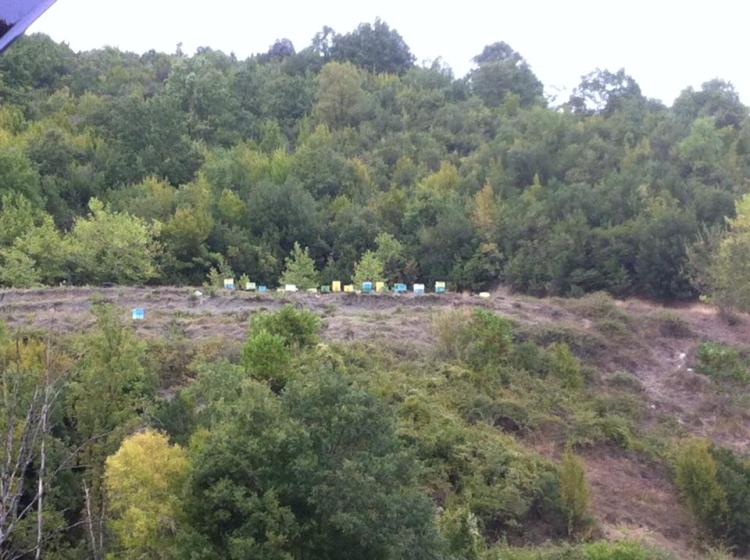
109,391
502,71
730,269
300,269
112,247
341,99
368,269
317,472
376,48
565,365
390,251
17,173
267,357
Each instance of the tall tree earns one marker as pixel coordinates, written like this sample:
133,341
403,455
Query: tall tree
375,47
501,71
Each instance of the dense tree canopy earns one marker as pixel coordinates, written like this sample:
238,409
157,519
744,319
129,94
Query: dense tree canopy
205,159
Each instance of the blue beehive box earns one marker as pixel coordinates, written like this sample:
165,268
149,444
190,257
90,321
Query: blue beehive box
366,287
439,287
399,288
262,289
139,314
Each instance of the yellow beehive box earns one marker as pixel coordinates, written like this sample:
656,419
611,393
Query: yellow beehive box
379,286
349,288
336,286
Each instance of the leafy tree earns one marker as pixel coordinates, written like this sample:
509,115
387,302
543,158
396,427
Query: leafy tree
374,47
300,269
716,99
604,92
316,472
151,200
733,475
112,247
341,100
144,480
390,251
109,390
281,49
730,270
40,255
501,71
17,174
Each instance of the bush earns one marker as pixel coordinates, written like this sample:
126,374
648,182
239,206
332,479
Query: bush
460,529
529,357
297,327
696,473
733,476
266,356
565,365
593,551
491,339
479,339
674,326
720,361
575,494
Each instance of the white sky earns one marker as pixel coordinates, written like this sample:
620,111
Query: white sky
665,45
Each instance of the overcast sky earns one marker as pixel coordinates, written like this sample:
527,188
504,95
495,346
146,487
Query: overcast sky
664,45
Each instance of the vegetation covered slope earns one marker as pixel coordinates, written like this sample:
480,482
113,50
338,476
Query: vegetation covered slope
240,426
123,168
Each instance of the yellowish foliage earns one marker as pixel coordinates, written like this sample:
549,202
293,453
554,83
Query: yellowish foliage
444,181
485,209
144,481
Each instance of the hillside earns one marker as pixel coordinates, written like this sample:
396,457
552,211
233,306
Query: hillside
595,407
640,359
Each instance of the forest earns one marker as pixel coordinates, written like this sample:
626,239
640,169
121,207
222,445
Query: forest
472,436
156,168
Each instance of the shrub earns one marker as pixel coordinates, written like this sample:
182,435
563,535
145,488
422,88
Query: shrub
451,329
720,361
565,365
491,339
266,356
674,326
529,357
696,473
593,551
460,528
733,476
574,491
479,339
297,327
